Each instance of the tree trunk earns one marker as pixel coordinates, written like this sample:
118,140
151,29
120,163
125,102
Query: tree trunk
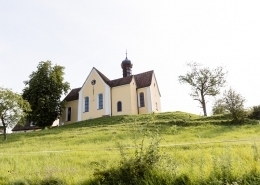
4,125
203,103
204,108
5,138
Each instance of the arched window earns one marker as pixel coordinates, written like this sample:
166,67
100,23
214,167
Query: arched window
87,104
141,96
100,101
119,106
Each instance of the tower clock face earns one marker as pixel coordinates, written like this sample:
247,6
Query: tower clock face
93,82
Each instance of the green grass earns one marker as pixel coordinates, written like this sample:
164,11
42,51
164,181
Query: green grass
198,148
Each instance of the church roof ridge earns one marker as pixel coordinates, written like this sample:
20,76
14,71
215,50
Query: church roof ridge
106,79
143,79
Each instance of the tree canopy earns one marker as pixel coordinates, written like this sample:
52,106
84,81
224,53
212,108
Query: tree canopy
43,91
204,82
13,108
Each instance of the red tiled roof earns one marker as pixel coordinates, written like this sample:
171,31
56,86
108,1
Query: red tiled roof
73,95
27,126
120,81
106,80
144,79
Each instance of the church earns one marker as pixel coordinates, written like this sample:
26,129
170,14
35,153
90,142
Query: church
99,96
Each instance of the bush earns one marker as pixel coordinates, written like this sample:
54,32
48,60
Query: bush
252,178
218,107
182,180
255,114
21,182
234,104
52,181
136,169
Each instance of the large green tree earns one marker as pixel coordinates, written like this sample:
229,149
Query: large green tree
13,108
43,91
204,82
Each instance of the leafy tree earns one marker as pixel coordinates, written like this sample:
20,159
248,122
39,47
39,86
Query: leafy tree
43,91
13,108
218,107
234,104
204,82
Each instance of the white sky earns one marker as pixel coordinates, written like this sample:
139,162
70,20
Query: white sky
158,35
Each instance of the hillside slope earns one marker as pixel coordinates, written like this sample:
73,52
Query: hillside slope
73,152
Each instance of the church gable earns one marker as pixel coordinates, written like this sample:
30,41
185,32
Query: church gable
95,76
155,84
94,96
155,95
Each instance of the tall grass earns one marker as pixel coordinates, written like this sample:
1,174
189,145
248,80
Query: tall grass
202,154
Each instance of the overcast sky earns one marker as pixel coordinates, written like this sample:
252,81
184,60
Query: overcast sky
158,35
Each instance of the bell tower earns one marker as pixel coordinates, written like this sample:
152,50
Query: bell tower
126,65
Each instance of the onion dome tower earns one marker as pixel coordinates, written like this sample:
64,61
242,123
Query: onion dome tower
127,67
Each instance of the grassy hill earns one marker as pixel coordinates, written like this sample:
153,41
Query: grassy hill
194,150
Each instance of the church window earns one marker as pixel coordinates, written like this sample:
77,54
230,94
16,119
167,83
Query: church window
87,104
141,96
68,114
100,101
119,106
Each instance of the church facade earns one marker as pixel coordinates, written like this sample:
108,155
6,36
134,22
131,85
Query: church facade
99,96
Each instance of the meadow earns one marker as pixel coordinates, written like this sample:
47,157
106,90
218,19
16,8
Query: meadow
191,150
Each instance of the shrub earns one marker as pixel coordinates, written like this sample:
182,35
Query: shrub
218,107
234,104
182,180
135,169
52,181
255,114
252,178
21,182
